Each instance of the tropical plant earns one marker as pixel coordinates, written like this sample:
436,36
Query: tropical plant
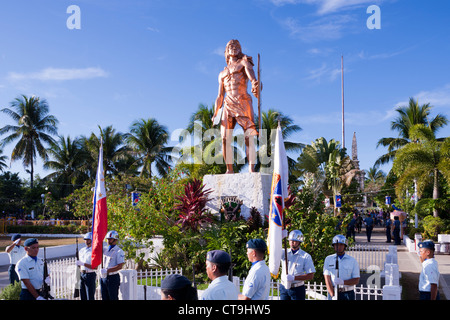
34,128
192,206
422,161
147,140
408,116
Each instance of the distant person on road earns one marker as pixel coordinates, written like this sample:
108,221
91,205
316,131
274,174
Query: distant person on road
368,221
15,252
396,230
429,277
388,226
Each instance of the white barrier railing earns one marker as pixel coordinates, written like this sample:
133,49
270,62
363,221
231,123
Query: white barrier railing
369,256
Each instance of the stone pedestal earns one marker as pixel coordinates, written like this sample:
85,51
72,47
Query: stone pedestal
253,189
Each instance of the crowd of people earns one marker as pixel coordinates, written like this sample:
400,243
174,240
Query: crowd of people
371,219
340,270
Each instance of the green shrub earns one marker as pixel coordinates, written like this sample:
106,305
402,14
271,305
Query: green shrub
11,292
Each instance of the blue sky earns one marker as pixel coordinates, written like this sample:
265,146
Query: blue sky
161,58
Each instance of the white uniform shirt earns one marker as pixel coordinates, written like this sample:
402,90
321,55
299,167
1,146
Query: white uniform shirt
85,255
17,253
348,268
113,257
429,275
28,268
221,289
299,263
257,283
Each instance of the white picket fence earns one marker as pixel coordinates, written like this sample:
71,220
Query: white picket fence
145,285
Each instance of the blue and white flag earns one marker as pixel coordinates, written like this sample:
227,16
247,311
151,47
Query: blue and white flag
279,192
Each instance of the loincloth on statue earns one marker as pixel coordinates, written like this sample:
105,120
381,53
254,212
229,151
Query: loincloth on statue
239,109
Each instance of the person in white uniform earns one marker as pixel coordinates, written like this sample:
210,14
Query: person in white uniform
218,263
429,276
31,272
257,283
341,270
88,275
300,269
15,252
113,261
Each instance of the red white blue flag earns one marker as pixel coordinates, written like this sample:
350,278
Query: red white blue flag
279,192
99,214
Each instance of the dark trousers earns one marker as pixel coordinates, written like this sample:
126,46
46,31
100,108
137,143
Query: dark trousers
13,277
369,232
347,295
424,295
26,295
87,286
110,287
396,233
297,293
388,234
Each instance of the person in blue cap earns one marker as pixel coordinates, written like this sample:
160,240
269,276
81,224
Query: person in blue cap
31,272
178,287
15,252
429,277
257,283
218,263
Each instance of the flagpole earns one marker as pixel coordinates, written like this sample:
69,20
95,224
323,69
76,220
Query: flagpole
284,225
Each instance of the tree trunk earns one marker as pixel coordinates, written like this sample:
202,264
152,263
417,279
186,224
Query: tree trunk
31,174
435,191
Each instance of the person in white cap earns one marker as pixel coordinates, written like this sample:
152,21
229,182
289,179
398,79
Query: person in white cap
300,268
15,252
113,261
341,271
88,275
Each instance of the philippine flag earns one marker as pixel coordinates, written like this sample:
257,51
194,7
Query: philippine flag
279,192
99,214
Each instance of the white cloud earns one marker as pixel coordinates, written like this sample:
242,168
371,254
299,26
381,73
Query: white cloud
328,6
59,74
324,72
329,28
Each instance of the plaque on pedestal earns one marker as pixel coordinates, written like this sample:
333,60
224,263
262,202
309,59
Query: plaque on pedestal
252,189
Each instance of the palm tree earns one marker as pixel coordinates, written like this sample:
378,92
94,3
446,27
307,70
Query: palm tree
34,127
408,116
422,161
205,157
326,164
68,157
3,164
114,150
374,175
269,124
147,140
